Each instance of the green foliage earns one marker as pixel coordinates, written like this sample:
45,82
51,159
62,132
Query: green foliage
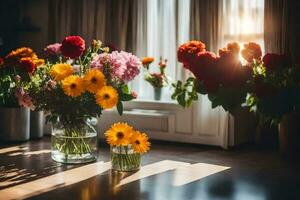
185,93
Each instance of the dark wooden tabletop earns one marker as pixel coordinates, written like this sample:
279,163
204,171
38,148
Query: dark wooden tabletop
170,172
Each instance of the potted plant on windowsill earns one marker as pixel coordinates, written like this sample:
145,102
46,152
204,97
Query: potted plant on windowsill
157,80
16,70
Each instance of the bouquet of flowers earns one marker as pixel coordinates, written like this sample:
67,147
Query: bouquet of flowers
157,80
77,84
222,78
275,88
127,145
16,70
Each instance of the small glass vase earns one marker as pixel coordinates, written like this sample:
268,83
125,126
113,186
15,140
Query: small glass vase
74,144
125,159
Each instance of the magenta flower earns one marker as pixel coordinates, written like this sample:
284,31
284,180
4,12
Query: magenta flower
53,49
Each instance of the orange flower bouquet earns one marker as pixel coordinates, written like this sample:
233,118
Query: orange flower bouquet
127,145
75,86
16,70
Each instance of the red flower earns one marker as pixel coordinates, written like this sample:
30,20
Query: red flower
232,48
274,61
210,86
230,68
251,51
264,90
72,46
188,52
28,65
204,65
1,61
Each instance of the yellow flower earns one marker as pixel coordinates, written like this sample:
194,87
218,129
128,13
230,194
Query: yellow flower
61,71
119,134
139,142
39,62
94,80
72,86
107,97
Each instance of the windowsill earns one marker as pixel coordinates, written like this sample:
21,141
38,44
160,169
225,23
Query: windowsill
152,104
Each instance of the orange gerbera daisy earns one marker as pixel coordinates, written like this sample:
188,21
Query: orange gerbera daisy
72,86
60,71
139,142
107,97
94,80
119,134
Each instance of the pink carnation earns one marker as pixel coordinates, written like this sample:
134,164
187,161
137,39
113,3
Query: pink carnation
24,99
53,49
133,64
124,66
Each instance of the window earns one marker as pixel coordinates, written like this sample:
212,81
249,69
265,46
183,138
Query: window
162,26
243,21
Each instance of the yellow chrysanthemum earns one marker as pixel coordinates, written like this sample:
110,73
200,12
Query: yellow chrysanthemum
72,86
107,97
94,80
139,142
119,134
61,71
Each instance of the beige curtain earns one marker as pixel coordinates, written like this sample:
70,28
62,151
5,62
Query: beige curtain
282,28
112,21
206,22
275,26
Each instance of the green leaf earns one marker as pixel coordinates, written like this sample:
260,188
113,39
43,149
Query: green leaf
120,108
126,97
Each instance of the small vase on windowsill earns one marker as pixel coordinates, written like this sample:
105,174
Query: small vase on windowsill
157,93
125,159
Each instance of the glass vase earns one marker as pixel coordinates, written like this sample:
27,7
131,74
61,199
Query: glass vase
157,93
124,158
74,144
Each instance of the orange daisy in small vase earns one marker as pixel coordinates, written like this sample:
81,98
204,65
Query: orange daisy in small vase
119,134
139,142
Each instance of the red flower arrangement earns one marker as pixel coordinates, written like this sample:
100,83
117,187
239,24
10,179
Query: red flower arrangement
223,78
72,46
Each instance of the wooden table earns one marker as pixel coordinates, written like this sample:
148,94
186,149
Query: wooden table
170,172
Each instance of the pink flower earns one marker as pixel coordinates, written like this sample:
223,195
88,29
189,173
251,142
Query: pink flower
51,84
133,64
24,99
18,78
100,60
53,49
123,65
134,94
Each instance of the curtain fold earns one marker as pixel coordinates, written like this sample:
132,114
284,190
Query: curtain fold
282,29
275,26
206,22
206,27
112,21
